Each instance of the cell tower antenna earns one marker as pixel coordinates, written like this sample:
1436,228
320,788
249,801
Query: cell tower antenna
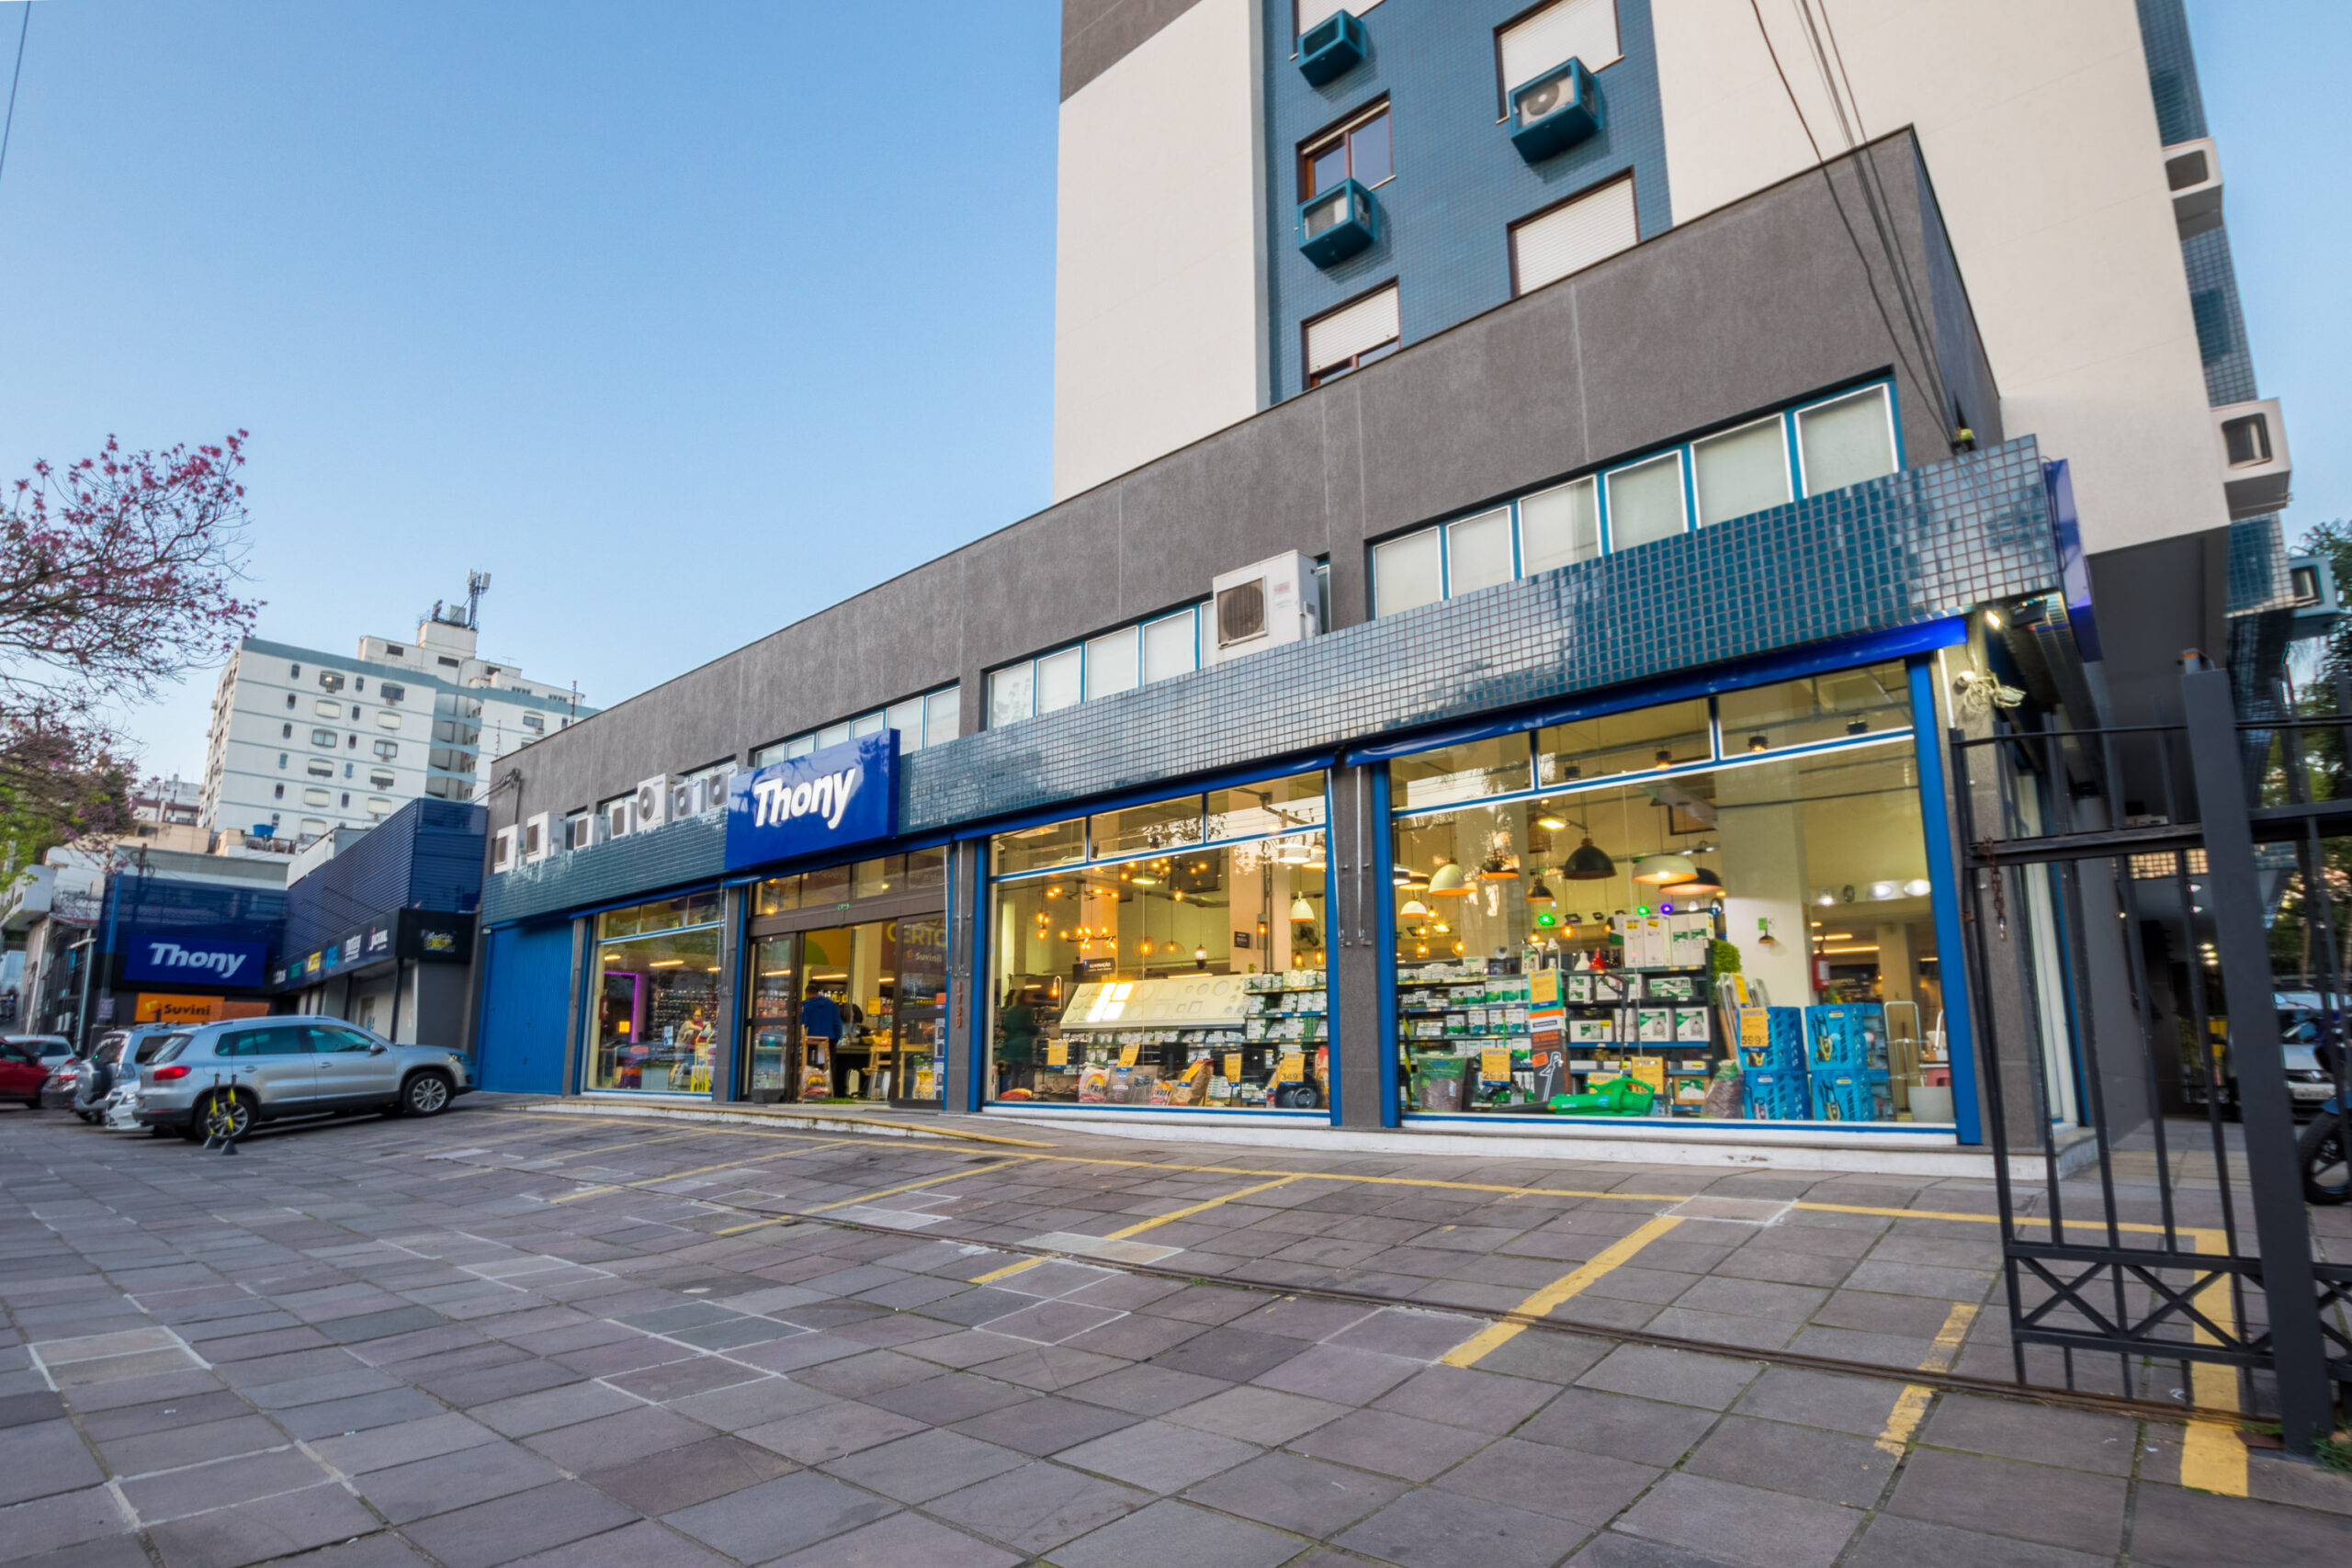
477,584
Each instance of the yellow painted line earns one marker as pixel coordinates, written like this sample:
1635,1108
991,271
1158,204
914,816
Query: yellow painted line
1911,1405
1157,1221
869,1197
1471,1351
2213,1454
1009,1271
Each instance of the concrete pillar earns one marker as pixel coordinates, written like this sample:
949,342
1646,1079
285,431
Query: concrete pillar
1764,869
1356,967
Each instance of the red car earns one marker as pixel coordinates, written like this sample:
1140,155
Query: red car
26,1062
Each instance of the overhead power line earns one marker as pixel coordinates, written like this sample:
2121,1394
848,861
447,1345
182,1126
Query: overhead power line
10,125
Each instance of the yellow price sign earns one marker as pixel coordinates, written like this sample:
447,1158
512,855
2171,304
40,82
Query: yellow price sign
1127,1054
1494,1064
1233,1067
1544,987
1755,1028
1291,1070
1057,1053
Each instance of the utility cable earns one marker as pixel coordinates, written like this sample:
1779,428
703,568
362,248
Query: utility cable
1870,274
14,77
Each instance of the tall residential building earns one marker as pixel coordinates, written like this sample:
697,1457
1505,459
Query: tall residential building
304,742
1212,263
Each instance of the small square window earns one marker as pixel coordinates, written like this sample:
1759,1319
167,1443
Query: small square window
1359,150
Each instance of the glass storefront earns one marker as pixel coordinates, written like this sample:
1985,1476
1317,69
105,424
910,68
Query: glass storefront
1717,908
656,1000
1168,954
838,1008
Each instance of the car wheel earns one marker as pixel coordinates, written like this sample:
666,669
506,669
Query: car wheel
226,1113
2320,1152
426,1094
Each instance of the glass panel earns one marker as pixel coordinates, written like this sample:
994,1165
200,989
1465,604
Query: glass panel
1114,664
905,717
1479,552
866,724
1632,742
656,1003
1012,693
1645,501
1170,647
1204,985
694,910
1325,168
1407,573
926,868
1742,471
1033,849
1467,771
1810,870
1846,442
1820,708
800,746
831,735
1057,679
1557,526
875,878
768,1036
942,718
1276,805
825,889
920,1008
776,895
1368,151
1163,824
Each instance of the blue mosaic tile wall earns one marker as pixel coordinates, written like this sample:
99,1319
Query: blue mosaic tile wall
1459,182
1914,546
2259,576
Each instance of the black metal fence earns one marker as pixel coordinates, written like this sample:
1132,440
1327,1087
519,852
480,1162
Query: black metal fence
2127,889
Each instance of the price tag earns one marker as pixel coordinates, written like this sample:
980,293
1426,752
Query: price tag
1291,1070
1127,1054
1755,1028
1494,1064
1057,1053
1544,987
1233,1067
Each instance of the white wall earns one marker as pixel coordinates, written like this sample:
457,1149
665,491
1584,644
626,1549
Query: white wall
2041,139
1159,285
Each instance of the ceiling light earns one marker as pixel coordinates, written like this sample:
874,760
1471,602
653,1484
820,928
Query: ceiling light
1414,910
1300,909
1664,869
1550,824
1918,887
1757,743
1882,890
1588,863
1448,881
1539,895
1702,883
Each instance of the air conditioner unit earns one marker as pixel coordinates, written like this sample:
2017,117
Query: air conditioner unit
2193,175
537,844
1554,111
2256,475
651,807
1331,48
1335,224
580,831
1262,606
501,850
612,821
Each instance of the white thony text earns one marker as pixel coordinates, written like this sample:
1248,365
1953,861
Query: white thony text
778,800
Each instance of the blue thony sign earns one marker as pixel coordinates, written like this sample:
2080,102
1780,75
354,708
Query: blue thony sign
830,799
176,956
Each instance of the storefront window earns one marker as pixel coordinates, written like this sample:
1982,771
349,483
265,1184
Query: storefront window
656,1000
1744,933
1151,968
767,1016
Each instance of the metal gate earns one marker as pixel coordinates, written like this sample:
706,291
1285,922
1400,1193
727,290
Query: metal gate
2125,888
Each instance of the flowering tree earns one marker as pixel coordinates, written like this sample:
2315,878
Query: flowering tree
118,575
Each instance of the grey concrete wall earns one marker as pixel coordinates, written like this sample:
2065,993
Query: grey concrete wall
1098,34
1743,309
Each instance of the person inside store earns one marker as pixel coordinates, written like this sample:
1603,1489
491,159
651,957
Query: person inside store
1016,1044
821,1031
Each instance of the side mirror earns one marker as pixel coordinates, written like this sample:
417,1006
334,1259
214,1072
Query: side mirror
375,1050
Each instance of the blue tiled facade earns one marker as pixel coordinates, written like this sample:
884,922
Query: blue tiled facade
1915,547
1459,185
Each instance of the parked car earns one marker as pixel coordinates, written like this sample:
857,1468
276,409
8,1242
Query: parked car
263,1069
82,1084
26,1062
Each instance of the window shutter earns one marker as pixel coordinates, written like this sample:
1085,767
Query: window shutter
1312,11
1567,29
1348,332
1571,237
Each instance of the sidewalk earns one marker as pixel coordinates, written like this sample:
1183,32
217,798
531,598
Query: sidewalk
504,1336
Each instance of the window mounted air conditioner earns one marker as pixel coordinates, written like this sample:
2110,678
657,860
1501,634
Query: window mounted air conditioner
2193,175
501,850
652,808
2256,477
536,843
1333,48
580,831
1338,223
1554,111
1262,606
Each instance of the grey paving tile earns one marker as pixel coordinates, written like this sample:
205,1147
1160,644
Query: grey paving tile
1677,1376
1159,1456
2075,1439
1303,1495
927,1465
680,1478
1038,1506
1808,1398
641,1545
1433,1528
1589,1489
1464,1396
2180,1528
947,1398
1339,1374
903,1540
44,1457
614,1439
1419,1335
2031,1502
266,1528
176,1493
549,1408
1392,1444
1047,1368
518,1525
1891,1540
778,1516
1146,1389
1742,1524
750,1404
1048,1425
843,1428
58,1522
1258,1414
1836,1467
453,1481
1170,1534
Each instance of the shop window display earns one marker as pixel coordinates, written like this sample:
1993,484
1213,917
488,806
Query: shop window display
1668,924
656,1001
1168,954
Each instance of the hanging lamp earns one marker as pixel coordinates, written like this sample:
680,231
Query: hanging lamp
1588,863
1447,881
1300,909
1662,870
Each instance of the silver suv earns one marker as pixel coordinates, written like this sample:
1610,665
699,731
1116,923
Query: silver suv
262,1068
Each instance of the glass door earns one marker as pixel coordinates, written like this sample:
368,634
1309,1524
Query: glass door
771,1039
922,1007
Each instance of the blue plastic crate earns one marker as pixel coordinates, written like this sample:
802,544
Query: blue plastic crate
1784,1050
1777,1096
1843,1094
1845,1034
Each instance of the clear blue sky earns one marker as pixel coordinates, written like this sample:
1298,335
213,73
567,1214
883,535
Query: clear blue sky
685,320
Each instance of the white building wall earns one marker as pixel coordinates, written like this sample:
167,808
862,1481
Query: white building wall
2040,136
1159,275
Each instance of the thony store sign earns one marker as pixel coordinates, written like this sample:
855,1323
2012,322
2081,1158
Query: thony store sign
156,955
844,795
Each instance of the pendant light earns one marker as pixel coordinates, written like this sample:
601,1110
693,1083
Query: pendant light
1664,870
1414,909
1493,869
1300,909
1588,863
1700,884
1447,881
1539,895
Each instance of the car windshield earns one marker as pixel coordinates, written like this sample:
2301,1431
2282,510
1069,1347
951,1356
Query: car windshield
152,1045
171,1046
